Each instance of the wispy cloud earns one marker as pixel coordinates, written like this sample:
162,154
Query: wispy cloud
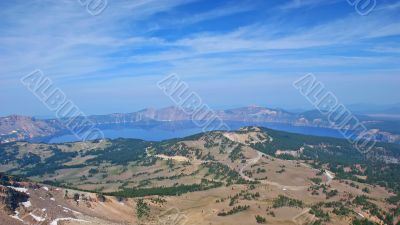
131,41
389,6
294,4
225,10
69,43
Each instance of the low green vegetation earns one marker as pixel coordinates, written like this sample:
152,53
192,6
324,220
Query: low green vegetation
236,153
222,172
260,219
167,191
316,180
362,222
336,154
235,210
142,209
283,201
319,213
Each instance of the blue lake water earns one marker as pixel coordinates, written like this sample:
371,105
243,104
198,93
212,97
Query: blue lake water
159,133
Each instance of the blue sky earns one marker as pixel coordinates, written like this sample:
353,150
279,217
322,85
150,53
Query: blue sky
232,53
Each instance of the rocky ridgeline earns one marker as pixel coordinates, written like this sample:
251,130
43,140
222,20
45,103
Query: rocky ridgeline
15,128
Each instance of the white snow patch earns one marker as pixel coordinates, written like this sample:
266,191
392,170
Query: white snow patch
19,189
27,204
55,222
16,216
68,209
37,218
329,174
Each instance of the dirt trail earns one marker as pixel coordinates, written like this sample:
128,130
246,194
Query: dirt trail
304,213
329,175
253,161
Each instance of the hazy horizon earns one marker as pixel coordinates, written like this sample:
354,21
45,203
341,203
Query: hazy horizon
363,108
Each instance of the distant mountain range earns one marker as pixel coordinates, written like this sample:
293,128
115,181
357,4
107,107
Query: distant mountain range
14,128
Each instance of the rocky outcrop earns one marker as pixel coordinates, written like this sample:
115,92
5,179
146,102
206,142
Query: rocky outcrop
10,197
